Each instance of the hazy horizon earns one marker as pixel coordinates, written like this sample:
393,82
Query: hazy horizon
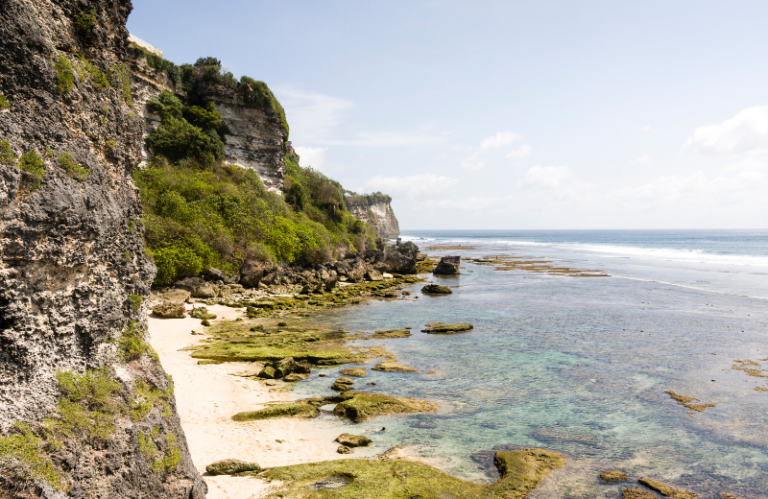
546,115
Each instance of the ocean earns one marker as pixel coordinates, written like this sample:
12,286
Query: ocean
581,364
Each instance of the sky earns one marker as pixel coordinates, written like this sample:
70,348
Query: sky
508,114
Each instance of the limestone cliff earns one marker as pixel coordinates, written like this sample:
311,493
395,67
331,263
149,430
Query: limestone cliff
375,209
98,412
256,138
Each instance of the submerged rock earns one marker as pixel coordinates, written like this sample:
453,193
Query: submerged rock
231,467
661,488
613,476
357,372
349,440
638,494
342,384
448,265
448,328
392,367
169,310
293,377
436,289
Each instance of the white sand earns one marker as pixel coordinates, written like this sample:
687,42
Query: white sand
207,397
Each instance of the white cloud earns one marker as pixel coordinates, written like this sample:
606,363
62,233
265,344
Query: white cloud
547,177
523,151
642,160
500,140
745,132
313,116
312,156
648,129
411,187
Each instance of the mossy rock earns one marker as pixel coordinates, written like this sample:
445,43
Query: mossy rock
391,367
398,479
436,289
357,372
661,488
638,494
349,440
231,467
294,377
291,410
613,476
391,333
201,313
360,406
449,328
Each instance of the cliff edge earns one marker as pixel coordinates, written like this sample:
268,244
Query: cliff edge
85,408
375,209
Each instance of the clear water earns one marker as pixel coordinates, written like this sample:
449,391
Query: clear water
580,365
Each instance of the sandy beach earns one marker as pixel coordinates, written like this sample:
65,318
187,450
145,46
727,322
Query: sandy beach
208,395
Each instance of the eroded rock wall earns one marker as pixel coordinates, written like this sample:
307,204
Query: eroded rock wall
73,272
381,216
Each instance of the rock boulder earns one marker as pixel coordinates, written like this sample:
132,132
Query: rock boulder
448,265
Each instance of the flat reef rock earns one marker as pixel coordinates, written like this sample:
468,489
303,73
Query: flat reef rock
392,367
613,476
392,477
448,328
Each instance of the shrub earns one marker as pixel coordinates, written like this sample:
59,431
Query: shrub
7,156
177,139
110,143
87,406
33,167
65,74
136,301
257,94
120,71
4,104
74,170
26,450
87,70
131,344
84,23
167,106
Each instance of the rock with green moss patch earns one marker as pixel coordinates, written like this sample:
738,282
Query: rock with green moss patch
294,377
357,372
436,289
201,313
448,328
350,440
661,488
613,476
342,384
391,333
231,467
360,406
299,409
638,494
392,367
392,478
343,449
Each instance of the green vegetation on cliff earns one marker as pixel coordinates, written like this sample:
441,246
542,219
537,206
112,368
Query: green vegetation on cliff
200,212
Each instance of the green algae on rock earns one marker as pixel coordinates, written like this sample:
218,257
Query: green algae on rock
436,289
357,372
521,471
638,494
342,384
349,440
392,367
685,401
657,486
231,467
389,334
299,409
361,406
448,328
613,476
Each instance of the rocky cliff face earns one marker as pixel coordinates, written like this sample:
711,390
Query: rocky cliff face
380,215
74,278
256,139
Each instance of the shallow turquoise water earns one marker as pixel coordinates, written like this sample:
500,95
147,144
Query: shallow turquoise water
580,365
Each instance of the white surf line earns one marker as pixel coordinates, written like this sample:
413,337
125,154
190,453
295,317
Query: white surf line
689,287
